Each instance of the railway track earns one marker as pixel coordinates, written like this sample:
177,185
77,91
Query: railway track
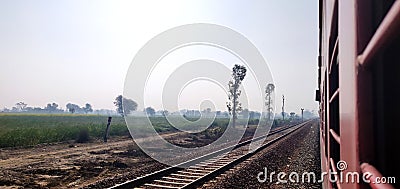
205,167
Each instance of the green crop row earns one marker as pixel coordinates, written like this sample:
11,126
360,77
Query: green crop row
31,129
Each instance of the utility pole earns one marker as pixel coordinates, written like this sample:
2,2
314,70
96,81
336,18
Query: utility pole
107,129
268,92
283,107
302,110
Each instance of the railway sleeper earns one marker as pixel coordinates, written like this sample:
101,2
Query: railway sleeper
216,165
160,186
220,160
207,167
185,176
191,173
201,170
170,182
178,179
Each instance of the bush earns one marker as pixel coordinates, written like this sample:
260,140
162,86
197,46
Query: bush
83,136
213,133
253,121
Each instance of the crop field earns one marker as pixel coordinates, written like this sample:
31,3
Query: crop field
32,129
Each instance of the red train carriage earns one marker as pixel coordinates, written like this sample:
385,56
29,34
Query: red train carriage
359,91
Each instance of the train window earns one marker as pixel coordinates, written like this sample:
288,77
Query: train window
333,94
372,36
384,68
325,119
386,73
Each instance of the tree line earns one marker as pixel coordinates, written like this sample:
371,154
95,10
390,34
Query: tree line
125,106
53,107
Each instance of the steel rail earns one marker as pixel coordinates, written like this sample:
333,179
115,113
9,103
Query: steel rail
197,177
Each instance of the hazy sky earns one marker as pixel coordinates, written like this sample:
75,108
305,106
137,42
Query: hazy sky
79,51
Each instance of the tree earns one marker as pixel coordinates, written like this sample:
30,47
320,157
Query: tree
164,113
51,107
150,111
245,113
292,114
87,108
234,107
72,108
309,114
254,115
207,112
268,97
21,106
118,104
125,105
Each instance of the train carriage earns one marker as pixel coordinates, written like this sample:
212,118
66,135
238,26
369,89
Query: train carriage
359,90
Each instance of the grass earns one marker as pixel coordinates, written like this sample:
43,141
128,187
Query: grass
32,129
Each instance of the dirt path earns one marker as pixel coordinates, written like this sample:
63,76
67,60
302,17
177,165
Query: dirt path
19,158
72,165
11,158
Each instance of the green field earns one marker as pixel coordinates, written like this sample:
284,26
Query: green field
31,129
